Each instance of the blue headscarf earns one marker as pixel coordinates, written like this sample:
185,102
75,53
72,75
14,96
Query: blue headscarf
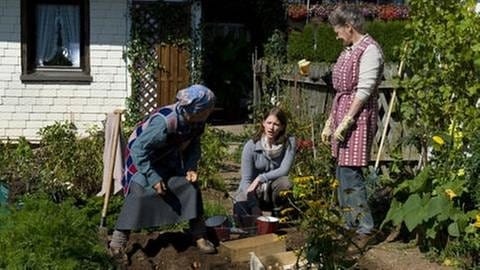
195,99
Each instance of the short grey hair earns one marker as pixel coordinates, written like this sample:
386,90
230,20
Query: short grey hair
347,14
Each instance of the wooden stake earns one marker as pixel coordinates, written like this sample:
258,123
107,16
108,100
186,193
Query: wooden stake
116,132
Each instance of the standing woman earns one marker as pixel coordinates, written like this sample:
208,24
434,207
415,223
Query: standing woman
160,173
266,162
351,125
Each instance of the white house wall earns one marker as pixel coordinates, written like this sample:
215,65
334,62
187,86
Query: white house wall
27,107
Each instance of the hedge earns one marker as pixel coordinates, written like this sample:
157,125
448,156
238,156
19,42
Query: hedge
389,34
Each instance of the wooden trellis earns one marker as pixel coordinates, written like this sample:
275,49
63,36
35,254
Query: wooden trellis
163,68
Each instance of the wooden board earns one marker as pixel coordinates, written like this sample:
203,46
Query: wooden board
239,250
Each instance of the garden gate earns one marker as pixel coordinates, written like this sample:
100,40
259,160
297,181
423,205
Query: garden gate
173,75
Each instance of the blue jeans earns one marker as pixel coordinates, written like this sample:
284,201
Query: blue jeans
352,198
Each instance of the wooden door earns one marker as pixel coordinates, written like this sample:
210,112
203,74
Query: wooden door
173,75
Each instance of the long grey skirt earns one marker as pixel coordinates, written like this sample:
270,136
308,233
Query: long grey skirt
144,208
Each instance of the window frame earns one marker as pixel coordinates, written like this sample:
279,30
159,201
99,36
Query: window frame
30,72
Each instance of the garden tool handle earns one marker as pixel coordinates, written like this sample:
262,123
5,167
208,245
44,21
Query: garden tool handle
113,152
387,120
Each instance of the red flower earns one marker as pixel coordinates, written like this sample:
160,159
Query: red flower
297,12
304,144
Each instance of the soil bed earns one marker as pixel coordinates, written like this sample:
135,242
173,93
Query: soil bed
175,250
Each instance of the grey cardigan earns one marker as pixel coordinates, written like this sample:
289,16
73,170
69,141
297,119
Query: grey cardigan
256,163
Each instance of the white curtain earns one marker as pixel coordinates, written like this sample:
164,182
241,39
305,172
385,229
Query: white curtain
46,33
49,17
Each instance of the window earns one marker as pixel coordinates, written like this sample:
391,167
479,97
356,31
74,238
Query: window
55,41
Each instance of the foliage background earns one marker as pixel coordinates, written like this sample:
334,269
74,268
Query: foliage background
301,44
440,106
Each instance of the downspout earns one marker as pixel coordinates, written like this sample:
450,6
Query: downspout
196,18
128,81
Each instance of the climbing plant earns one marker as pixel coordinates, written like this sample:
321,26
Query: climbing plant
440,107
153,23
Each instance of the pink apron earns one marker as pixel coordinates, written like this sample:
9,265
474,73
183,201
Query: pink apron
355,150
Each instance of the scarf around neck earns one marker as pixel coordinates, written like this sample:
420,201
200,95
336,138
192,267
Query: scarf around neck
272,151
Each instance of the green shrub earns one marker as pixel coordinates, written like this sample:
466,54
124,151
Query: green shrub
18,167
389,34
472,171
62,165
300,44
46,235
214,208
69,166
439,107
214,153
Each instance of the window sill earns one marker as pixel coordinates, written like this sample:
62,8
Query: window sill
56,77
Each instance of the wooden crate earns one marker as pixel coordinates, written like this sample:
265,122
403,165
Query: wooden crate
262,245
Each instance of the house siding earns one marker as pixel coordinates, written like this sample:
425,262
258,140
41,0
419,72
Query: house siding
27,107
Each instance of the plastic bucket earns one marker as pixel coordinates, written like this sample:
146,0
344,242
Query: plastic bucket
266,224
215,221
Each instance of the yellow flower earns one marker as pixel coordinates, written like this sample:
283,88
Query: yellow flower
335,183
302,179
448,262
283,220
438,140
286,211
450,193
461,172
477,221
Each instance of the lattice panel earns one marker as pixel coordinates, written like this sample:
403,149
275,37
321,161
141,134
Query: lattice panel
146,92
151,27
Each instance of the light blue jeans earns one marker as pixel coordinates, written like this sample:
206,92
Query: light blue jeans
352,198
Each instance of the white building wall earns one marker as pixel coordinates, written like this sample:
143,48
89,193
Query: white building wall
27,107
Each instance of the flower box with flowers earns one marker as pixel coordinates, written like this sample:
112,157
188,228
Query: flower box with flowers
320,12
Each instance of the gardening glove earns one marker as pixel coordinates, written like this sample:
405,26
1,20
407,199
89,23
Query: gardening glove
343,128
327,131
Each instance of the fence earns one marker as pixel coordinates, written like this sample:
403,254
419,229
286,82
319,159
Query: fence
316,98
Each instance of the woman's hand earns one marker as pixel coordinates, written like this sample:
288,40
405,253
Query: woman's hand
192,176
253,185
327,131
343,128
160,188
